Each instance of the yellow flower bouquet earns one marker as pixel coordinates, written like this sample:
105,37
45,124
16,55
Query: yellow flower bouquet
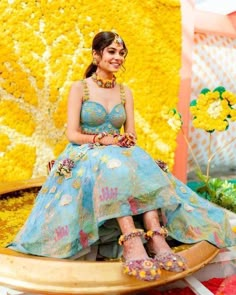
214,111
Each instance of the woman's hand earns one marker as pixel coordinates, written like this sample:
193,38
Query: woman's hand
108,139
126,140
122,140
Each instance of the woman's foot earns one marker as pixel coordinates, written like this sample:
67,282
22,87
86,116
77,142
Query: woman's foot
159,249
136,261
156,242
171,261
133,249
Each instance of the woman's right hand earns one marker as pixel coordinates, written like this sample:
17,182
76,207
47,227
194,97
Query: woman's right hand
107,140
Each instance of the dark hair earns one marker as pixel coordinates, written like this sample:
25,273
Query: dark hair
100,42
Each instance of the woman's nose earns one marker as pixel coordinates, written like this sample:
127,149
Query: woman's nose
117,56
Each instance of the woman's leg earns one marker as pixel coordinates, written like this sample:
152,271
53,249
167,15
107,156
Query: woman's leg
157,243
133,248
137,263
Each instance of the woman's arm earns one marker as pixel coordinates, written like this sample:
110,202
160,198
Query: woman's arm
129,126
73,131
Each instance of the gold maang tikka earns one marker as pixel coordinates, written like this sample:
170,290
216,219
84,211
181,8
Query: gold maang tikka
118,40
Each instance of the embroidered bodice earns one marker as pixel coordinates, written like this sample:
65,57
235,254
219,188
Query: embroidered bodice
94,118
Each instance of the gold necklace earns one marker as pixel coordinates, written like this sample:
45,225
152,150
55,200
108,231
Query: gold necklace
104,83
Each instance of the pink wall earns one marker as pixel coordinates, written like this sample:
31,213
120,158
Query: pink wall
215,23
194,21
187,10
232,17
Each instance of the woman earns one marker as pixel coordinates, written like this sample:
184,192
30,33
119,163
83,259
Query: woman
103,185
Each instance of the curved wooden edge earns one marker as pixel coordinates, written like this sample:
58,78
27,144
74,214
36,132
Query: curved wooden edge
59,276
8,187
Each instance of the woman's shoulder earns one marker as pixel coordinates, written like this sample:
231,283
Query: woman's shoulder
79,85
127,91
77,89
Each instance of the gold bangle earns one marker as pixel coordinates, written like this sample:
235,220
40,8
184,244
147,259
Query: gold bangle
115,138
94,138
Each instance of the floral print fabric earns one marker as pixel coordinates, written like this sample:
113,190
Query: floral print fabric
91,185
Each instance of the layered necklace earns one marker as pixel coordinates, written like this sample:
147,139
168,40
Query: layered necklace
104,83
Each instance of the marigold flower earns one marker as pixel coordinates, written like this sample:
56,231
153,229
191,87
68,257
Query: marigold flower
212,110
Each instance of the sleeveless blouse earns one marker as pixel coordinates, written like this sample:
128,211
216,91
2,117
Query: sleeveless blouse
94,117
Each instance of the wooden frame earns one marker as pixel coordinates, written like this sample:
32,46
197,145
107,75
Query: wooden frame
42,275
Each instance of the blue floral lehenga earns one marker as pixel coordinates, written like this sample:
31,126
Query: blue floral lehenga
90,186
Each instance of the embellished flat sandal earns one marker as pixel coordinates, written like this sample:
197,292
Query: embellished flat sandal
168,260
171,261
147,269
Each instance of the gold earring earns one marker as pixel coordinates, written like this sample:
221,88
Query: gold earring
95,62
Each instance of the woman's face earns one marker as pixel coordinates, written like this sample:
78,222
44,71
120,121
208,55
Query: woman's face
112,58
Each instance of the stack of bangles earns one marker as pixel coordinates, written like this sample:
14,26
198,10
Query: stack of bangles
125,140
99,136
122,140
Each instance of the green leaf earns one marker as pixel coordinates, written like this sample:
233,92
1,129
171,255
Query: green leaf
220,89
205,90
219,191
193,103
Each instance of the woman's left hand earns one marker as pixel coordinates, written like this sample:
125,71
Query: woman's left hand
126,140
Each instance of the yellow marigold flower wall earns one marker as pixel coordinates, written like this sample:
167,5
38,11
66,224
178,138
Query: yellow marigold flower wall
45,46
15,208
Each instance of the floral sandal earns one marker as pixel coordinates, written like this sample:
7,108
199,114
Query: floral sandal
167,260
143,269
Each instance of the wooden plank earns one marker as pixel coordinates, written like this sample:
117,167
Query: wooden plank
7,187
196,286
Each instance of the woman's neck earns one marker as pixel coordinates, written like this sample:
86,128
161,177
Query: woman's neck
104,82
104,75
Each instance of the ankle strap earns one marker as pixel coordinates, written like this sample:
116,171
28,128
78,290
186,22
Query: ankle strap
133,234
159,232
